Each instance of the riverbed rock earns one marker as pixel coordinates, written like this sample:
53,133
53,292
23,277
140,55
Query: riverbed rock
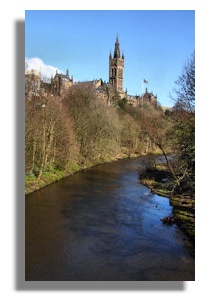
168,220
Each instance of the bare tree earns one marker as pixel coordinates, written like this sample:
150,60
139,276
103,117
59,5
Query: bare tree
49,135
157,128
95,124
184,119
185,90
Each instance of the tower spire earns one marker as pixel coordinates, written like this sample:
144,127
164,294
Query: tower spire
117,48
123,56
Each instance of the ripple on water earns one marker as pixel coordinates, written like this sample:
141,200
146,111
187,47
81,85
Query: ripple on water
102,224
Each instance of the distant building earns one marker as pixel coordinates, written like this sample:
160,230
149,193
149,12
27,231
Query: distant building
116,69
110,91
60,83
148,97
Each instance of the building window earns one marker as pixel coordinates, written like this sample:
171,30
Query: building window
114,72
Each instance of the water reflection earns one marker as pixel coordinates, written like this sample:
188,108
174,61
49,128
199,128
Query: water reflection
101,224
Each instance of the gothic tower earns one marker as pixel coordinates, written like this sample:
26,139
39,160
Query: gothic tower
116,66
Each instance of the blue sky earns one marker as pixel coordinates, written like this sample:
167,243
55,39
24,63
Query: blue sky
156,44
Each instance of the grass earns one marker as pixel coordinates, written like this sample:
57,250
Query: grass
52,175
33,183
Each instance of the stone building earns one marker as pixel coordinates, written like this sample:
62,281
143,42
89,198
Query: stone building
116,69
110,91
60,83
148,97
115,85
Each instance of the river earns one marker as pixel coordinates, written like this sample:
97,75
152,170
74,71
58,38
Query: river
101,224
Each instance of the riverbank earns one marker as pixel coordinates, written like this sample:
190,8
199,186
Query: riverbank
33,183
157,179
101,224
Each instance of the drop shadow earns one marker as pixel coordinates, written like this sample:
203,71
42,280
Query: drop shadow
104,285
20,283
19,133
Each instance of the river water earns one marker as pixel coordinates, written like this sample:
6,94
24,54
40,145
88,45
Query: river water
101,224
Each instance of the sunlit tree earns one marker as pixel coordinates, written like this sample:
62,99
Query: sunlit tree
184,118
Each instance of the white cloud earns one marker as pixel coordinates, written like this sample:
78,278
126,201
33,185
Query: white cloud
37,64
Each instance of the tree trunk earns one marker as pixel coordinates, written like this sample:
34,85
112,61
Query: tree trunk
33,155
43,152
168,164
